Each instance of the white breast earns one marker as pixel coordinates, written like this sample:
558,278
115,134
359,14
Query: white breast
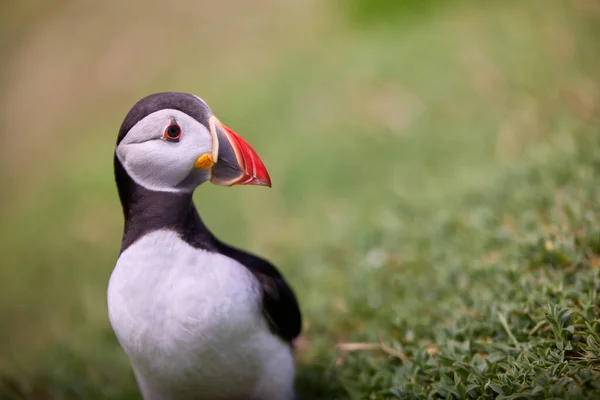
190,322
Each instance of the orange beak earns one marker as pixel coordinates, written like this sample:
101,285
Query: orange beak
235,161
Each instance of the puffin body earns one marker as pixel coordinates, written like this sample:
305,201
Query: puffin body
198,319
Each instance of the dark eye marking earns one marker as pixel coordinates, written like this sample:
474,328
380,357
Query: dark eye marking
173,132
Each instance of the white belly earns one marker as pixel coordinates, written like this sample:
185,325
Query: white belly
191,325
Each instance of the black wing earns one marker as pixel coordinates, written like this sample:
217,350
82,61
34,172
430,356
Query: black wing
280,306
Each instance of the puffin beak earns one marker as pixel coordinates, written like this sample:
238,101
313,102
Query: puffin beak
235,161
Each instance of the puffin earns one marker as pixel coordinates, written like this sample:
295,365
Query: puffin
197,318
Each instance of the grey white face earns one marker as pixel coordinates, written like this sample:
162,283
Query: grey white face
172,142
155,162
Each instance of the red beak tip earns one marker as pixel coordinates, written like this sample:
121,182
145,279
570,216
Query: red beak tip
263,180
259,181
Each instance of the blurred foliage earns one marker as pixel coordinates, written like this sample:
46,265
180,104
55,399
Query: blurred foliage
376,12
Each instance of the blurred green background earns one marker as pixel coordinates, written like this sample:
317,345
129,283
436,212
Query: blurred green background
376,120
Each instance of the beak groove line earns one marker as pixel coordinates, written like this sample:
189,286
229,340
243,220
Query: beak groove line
212,122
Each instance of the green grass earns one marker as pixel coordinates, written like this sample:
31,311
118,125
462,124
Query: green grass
435,204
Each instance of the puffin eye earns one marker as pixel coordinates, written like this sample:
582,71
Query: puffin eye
173,132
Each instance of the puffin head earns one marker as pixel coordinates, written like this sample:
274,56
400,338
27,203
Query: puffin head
172,142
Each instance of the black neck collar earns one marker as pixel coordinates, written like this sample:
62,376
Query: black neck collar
146,211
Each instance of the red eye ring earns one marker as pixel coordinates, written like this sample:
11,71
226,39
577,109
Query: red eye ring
173,132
